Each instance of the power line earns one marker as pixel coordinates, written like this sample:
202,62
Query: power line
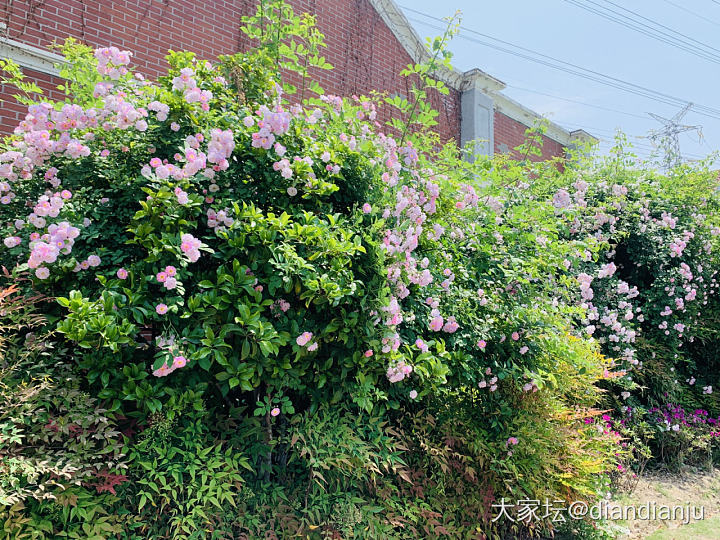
612,132
649,150
692,12
590,75
645,147
702,44
584,103
683,42
573,69
654,152
605,136
609,82
605,131
561,65
638,26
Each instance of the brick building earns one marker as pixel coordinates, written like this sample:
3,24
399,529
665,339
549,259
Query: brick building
369,43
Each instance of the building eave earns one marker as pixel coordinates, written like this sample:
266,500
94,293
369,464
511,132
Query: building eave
31,57
408,37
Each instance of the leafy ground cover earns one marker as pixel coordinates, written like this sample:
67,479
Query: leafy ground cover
239,308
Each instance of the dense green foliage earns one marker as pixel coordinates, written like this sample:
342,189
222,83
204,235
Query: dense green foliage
236,311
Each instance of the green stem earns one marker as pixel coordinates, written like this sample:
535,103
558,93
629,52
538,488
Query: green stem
431,66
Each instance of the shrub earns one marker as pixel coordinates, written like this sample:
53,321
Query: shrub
59,450
185,480
386,338
651,297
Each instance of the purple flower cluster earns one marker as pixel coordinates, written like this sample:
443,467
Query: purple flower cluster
673,417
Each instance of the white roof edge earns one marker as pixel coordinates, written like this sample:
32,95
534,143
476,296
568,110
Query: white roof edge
413,44
581,136
408,37
31,57
518,112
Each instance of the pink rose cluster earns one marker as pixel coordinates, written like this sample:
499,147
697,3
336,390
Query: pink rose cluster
220,147
185,80
75,149
492,383
45,249
163,170
668,220
160,109
70,117
437,323
91,261
561,199
412,207
195,160
585,286
126,114
167,277
112,61
165,370
48,205
390,343
179,361
12,241
679,244
607,270
283,166
6,193
394,312
280,306
190,246
182,196
399,371
188,85
305,340
512,441
216,220
35,144
272,123
451,325
470,198
62,235
196,95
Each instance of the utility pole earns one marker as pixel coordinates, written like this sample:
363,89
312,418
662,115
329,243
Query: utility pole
667,137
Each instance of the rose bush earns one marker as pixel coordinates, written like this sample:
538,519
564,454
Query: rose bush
651,298
351,326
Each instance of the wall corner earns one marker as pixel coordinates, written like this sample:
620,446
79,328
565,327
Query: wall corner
477,117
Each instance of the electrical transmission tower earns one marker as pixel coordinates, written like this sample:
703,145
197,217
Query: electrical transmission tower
668,139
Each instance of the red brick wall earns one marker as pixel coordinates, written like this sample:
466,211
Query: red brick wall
363,50
12,112
365,53
148,28
511,133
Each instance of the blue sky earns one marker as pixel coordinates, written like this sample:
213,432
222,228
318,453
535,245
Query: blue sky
566,32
